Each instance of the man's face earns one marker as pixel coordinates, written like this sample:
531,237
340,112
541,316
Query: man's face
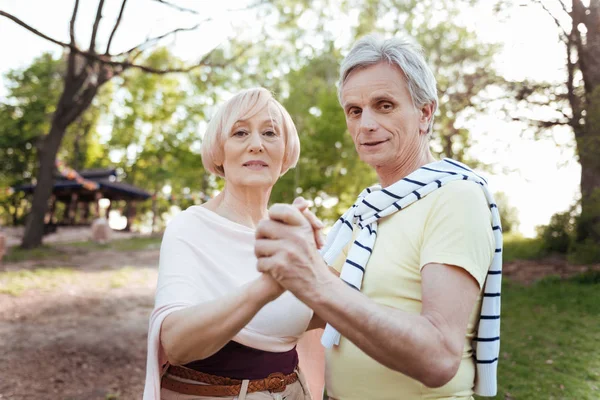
386,128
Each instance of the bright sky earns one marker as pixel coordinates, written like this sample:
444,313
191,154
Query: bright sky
527,170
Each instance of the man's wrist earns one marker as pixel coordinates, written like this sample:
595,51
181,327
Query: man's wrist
324,290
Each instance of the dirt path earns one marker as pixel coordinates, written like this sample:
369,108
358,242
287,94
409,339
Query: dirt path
84,337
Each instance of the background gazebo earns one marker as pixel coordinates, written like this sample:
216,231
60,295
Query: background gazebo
81,197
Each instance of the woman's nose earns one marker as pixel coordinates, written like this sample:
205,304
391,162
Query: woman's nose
256,143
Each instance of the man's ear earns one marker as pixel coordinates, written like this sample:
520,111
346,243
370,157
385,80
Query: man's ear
426,114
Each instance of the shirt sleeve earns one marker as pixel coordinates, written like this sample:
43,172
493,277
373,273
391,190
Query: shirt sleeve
458,230
180,279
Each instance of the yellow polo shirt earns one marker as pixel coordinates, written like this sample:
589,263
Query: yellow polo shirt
452,225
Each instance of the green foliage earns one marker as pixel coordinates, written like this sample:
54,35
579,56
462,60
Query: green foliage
329,167
549,342
587,252
509,215
154,119
154,138
517,247
558,234
586,245
24,120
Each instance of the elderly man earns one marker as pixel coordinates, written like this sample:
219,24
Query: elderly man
416,313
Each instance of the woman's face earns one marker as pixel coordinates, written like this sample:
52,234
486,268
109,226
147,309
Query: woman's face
254,150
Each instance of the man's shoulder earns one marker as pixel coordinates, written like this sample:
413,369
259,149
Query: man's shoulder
459,193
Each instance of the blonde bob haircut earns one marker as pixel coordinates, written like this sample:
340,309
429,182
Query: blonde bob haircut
242,106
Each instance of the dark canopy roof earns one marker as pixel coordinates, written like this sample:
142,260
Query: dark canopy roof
108,187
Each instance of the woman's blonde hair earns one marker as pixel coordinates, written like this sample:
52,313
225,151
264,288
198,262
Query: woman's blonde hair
242,106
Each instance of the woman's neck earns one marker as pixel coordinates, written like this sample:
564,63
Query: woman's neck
243,205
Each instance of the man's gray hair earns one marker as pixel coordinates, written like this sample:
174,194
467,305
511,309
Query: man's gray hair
402,52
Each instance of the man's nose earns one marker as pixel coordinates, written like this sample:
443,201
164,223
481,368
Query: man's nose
367,121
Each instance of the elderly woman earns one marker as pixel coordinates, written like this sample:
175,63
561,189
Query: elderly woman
220,329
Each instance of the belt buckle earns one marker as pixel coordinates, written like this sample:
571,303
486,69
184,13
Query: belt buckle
275,382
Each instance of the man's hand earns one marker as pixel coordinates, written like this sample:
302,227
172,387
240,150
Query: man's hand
286,249
317,225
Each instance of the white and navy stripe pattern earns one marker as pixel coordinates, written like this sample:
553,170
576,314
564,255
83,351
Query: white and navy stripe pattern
374,203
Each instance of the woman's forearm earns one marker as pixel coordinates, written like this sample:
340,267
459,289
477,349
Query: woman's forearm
198,332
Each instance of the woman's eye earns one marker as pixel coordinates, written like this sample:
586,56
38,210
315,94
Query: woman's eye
270,133
239,133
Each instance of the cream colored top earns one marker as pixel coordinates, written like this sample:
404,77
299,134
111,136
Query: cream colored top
203,257
449,226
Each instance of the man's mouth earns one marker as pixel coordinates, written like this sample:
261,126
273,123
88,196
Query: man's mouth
373,143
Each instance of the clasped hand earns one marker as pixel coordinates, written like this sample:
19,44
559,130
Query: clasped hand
287,249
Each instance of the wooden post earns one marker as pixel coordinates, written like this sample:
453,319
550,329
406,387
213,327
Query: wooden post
130,214
97,198
72,209
50,215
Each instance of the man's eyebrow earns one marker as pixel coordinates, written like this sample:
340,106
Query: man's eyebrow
349,104
382,97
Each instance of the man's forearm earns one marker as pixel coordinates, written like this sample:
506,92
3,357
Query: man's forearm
412,344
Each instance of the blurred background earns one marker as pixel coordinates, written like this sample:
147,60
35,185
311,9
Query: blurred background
103,105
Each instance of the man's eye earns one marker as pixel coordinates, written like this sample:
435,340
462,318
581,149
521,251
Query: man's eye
386,106
354,111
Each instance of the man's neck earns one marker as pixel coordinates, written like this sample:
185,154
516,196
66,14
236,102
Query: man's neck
389,175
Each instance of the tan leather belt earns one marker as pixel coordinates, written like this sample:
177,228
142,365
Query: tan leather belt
218,386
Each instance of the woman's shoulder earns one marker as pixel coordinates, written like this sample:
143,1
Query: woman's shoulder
190,219
196,219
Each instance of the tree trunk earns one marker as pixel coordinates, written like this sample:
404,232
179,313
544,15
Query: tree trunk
154,210
588,145
77,95
34,228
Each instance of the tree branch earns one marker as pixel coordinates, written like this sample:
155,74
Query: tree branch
175,6
72,24
562,34
71,60
158,38
112,34
33,30
540,123
96,25
564,7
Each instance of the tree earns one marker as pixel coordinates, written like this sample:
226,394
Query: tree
509,215
461,63
576,103
87,70
328,164
156,133
24,118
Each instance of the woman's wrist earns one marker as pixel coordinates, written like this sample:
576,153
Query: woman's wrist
260,291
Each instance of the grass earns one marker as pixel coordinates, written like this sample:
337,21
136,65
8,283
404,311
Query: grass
16,254
16,282
550,335
136,243
520,248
